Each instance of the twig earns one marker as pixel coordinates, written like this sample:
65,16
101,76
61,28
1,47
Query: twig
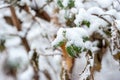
113,18
35,63
85,66
18,26
116,35
15,19
45,5
102,18
5,6
36,4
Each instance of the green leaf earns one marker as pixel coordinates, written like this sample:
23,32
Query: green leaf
87,23
85,39
73,50
71,4
70,51
59,2
77,49
59,44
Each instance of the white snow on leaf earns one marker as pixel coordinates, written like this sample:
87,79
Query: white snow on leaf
82,15
59,37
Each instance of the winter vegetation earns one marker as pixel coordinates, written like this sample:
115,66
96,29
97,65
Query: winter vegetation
59,39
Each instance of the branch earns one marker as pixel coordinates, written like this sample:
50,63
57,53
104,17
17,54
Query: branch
35,63
15,19
85,66
99,16
46,4
18,26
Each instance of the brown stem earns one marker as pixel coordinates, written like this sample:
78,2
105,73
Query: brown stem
34,62
69,63
25,43
18,26
15,19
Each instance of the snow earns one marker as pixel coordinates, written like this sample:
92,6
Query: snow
27,74
90,4
95,10
28,2
20,59
10,42
117,24
79,33
73,10
104,3
111,12
65,3
82,15
60,37
40,34
78,4
111,71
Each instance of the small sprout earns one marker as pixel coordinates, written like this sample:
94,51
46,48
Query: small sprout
87,23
